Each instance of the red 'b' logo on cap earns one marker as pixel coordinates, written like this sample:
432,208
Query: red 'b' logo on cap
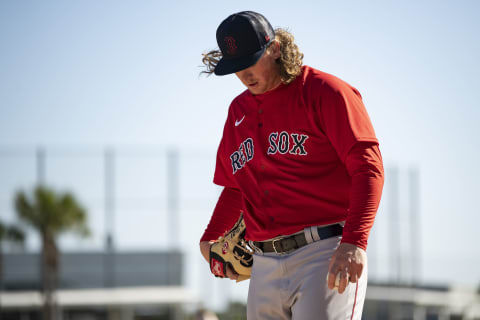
231,46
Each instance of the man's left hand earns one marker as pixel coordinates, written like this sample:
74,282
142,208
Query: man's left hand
348,260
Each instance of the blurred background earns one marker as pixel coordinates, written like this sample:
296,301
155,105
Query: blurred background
103,101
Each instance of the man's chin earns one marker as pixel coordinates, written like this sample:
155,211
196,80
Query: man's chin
256,91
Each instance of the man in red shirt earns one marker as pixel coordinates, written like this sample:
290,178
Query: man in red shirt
299,157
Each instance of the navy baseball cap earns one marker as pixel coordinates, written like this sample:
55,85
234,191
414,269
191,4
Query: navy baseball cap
242,38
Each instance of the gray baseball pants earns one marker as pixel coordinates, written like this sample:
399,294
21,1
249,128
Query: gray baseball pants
294,286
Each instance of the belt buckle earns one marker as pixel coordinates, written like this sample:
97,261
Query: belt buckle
273,245
255,248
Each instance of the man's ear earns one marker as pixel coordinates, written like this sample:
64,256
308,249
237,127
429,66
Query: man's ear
275,49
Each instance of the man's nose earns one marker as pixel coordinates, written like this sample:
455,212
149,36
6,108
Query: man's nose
245,74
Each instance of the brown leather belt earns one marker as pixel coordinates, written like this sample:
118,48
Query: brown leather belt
293,242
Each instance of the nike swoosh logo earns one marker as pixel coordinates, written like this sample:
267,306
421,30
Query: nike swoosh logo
237,122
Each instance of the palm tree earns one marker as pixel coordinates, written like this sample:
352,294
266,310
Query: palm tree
12,234
51,214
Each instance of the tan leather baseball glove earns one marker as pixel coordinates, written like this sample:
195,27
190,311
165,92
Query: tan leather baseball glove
232,249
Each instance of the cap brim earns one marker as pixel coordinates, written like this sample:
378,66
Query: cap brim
228,66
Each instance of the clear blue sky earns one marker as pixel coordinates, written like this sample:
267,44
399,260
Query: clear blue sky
95,73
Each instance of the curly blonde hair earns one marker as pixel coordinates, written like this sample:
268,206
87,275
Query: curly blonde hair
290,61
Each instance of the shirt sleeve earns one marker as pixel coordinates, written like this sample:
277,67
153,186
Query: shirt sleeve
226,213
364,165
343,117
223,175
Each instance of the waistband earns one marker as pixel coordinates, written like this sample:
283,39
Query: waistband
290,243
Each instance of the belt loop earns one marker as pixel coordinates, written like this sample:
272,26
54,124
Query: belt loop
308,234
314,230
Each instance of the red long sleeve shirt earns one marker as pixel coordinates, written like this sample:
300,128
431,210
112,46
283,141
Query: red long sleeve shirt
302,154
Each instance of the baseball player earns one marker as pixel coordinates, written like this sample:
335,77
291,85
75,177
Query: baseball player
300,160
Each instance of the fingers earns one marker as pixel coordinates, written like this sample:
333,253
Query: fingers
231,274
341,277
343,283
331,277
356,272
359,270
340,274
353,278
338,281
332,273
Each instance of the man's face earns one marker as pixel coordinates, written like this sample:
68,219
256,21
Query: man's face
264,75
